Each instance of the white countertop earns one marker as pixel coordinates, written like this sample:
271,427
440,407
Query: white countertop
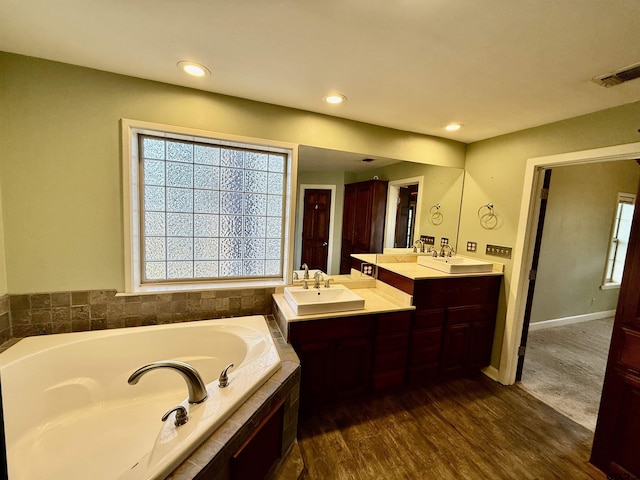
379,299
415,271
407,266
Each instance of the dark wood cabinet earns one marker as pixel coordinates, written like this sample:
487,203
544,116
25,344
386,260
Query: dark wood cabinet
391,348
450,333
363,218
453,324
335,357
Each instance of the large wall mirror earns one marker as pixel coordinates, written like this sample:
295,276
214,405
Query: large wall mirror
422,199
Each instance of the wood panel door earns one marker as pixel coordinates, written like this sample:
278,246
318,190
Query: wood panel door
315,228
616,445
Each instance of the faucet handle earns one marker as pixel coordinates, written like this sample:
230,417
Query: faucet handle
305,285
326,282
181,415
223,381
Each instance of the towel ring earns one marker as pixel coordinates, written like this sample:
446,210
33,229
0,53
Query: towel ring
436,215
488,218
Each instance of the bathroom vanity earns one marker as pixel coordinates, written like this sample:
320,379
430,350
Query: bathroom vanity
418,325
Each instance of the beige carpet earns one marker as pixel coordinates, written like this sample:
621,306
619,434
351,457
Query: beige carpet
564,367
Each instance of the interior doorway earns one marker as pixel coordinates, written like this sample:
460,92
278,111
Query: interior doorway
318,227
568,316
402,223
590,335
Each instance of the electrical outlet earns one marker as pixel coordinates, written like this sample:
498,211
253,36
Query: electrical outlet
367,269
444,241
428,240
499,251
472,246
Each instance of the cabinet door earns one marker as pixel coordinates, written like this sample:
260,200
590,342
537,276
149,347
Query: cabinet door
316,381
352,367
362,218
455,348
480,344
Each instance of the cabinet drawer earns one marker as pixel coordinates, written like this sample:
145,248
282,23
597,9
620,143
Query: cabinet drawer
428,336
425,355
330,329
388,379
388,361
472,313
392,341
394,322
428,318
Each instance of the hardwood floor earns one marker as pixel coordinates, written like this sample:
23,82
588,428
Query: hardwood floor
564,367
471,428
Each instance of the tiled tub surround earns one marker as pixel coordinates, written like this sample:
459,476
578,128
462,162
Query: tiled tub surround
211,459
78,311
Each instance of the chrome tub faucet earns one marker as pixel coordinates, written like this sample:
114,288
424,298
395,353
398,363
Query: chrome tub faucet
195,385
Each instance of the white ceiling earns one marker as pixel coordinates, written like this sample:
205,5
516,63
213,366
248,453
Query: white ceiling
497,66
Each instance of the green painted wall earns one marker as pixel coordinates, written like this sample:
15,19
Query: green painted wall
575,241
494,172
61,173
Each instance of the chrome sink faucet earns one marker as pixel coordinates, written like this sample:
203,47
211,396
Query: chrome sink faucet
306,270
195,385
446,247
317,278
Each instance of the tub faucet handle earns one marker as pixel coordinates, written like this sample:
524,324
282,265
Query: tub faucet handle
223,381
181,415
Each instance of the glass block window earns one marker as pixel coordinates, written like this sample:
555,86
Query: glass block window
209,211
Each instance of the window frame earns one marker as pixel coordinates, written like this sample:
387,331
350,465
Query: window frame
130,131
613,242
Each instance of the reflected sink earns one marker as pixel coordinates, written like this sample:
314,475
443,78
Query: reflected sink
336,298
456,264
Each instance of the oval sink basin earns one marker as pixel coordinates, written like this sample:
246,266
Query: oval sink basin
336,298
456,264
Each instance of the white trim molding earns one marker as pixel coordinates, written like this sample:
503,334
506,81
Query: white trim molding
523,251
559,322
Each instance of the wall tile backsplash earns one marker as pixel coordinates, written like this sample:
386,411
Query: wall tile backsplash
77,311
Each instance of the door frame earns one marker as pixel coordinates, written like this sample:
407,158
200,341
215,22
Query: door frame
392,207
525,240
332,220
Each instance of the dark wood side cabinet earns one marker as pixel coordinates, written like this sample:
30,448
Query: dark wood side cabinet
453,325
363,218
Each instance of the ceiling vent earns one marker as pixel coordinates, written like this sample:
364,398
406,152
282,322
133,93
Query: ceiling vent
612,79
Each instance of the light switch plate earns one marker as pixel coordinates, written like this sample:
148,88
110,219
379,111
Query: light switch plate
499,251
428,240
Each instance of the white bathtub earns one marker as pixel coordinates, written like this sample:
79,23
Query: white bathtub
70,414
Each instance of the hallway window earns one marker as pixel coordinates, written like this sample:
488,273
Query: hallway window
621,228
209,210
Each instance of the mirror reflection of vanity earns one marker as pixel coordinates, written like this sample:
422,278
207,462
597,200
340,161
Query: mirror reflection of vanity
435,212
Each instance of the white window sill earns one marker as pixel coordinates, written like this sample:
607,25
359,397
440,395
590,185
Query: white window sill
609,286
198,287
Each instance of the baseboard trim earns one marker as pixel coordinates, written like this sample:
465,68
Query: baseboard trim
557,322
492,372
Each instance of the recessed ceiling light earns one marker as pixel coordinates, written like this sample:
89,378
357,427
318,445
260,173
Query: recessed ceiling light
452,127
193,68
335,98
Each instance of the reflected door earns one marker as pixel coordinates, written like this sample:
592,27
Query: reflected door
315,228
